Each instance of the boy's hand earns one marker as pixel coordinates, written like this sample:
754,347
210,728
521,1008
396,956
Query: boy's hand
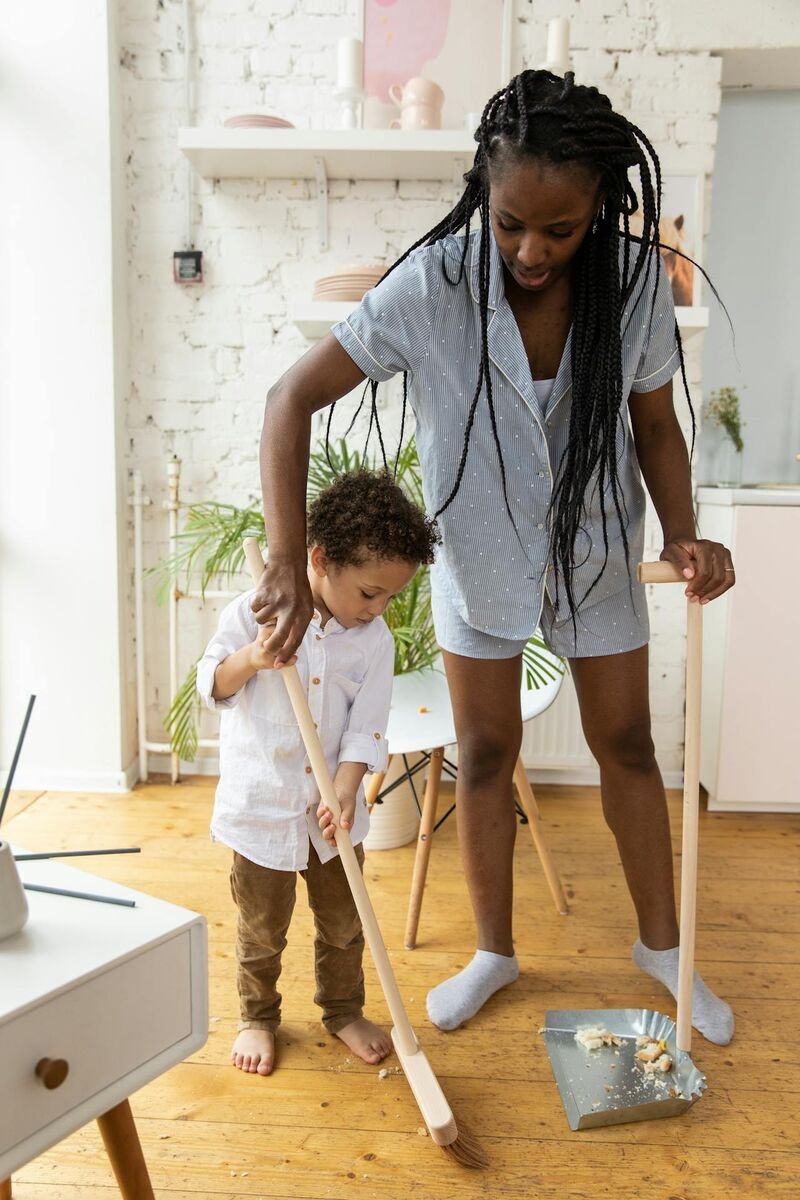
260,658
347,803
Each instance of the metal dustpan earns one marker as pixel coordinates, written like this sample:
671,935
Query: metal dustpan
609,1085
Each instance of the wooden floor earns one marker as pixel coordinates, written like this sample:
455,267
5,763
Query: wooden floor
325,1125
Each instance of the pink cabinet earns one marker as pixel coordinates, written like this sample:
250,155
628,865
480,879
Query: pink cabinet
750,756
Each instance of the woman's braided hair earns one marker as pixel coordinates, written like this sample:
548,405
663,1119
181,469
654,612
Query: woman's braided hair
542,117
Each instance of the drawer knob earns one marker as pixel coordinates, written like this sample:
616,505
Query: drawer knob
52,1071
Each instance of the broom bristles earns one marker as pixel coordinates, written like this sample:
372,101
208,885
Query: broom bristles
466,1150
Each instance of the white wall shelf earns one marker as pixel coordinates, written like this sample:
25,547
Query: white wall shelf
220,153
433,154
315,318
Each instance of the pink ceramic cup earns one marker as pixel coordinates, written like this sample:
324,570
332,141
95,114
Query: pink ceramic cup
417,92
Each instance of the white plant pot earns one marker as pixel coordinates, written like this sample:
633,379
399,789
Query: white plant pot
395,822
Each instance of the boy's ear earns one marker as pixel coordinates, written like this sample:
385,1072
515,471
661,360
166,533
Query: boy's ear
319,561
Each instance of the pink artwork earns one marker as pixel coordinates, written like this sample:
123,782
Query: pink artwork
461,45
402,36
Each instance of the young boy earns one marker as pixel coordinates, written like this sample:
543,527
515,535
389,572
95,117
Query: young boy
366,540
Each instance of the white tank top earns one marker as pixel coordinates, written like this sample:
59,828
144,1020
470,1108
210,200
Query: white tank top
544,390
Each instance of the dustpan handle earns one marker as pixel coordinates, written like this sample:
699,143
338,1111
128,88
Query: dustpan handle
402,1027
665,572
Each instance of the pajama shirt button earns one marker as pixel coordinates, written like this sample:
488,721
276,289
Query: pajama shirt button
377,736
308,770
315,680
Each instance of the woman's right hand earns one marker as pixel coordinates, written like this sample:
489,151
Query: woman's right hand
283,598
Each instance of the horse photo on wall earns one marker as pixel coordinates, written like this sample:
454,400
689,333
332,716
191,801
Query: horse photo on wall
681,230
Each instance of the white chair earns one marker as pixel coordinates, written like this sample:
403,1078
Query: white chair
421,723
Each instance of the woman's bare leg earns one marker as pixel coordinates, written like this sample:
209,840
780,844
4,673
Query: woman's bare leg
613,694
485,699
615,710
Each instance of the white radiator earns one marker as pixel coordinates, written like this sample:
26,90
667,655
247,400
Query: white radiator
554,749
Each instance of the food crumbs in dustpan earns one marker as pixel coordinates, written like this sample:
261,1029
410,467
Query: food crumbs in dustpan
594,1039
652,1054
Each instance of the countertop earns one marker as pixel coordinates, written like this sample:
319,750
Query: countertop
783,495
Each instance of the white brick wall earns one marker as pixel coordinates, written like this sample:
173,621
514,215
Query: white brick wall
202,359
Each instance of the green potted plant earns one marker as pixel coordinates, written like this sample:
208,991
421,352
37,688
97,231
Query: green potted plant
210,546
723,412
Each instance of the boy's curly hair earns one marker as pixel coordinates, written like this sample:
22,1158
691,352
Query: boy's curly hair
365,513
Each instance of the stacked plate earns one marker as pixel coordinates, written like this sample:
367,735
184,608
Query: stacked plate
254,121
349,283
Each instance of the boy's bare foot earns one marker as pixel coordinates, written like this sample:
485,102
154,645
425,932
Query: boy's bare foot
254,1051
366,1040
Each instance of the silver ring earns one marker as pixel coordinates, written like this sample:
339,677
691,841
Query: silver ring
731,569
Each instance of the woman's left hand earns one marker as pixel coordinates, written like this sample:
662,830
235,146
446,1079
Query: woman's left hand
708,566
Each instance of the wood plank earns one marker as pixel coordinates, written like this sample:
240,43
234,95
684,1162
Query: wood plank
305,1046
334,1160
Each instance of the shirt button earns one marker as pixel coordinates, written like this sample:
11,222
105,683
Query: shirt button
318,636
541,474
315,680
377,736
540,525
308,770
308,810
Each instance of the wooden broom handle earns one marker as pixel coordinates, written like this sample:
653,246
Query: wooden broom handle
665,572
404,1033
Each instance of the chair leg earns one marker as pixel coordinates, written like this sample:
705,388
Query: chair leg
424,842
373,788
5,1189
528,802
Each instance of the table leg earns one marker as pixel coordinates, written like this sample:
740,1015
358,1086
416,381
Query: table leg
424,841
124,1150
528,801
5,1189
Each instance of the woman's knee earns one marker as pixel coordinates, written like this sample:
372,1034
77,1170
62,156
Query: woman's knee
622,744
487,756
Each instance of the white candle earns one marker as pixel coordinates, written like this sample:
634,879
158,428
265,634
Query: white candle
350,63
558,42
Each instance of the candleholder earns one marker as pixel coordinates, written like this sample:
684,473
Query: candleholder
351,107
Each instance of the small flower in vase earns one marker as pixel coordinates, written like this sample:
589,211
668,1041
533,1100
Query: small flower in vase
723,412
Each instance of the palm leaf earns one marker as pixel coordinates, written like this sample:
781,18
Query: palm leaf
181,720
540,668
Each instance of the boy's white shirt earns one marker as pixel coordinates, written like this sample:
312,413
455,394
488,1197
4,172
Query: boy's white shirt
267,798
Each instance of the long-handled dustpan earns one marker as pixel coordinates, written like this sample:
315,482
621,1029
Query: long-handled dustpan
610,1085
435,1110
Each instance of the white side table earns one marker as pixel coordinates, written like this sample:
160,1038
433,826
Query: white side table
96,1000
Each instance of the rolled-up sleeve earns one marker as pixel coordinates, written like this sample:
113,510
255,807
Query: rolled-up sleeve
390,331
659,358
237,627
364,738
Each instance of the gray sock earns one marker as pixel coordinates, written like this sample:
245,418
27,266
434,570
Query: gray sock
710,1016
459,998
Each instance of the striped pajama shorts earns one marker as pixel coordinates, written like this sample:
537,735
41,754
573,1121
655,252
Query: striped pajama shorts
612,626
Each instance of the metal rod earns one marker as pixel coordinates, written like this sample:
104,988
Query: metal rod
74,853
51,891
138,584
15,759
173,480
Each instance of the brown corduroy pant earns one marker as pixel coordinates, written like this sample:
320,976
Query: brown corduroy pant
265,899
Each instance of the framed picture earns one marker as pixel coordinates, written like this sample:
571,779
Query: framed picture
681,228
462,45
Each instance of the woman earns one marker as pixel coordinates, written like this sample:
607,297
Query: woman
539,351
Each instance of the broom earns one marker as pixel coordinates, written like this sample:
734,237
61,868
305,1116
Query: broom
436,1112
